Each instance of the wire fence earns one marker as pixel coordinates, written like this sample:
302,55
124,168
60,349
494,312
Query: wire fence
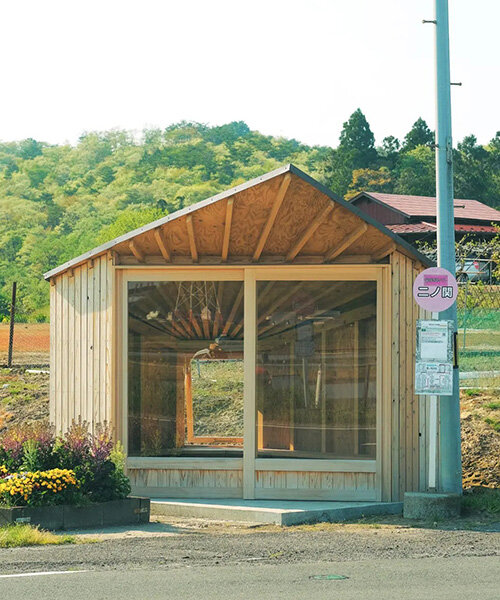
24,342
478,308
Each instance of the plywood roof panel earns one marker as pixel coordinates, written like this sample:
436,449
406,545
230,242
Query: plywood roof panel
269,216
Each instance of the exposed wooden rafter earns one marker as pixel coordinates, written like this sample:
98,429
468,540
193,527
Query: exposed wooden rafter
279,302
136,251
356,314
347,241
227,229
233,312
308,232
195,324
389,249
218,313
162,244
278,201
192,241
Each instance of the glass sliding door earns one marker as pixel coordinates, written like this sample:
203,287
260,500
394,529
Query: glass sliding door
185,368
316,369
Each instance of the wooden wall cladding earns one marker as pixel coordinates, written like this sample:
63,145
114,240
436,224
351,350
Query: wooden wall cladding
314,485
187,483
81,323
408,470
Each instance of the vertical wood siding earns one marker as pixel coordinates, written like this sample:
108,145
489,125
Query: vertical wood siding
309,485
408,410
81,321
187,483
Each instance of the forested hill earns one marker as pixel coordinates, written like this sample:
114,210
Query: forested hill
57,201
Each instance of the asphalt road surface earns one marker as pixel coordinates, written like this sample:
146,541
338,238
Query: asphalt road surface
377,563
408,579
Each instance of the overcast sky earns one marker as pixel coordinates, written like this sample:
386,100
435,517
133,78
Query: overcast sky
286,67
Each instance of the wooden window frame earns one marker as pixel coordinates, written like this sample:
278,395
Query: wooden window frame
250,275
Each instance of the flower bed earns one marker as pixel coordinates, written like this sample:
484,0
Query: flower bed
60,482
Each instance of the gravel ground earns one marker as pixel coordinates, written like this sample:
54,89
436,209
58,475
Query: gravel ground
250,546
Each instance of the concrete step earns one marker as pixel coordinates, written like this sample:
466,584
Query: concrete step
279,512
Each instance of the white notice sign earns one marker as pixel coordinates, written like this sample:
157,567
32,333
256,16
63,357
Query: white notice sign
434,378
434,358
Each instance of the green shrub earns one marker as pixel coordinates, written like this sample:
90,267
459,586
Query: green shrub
96,462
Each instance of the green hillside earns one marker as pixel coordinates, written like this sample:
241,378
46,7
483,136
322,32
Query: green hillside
57,201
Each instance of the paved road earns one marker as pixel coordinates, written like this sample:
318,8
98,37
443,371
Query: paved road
451,578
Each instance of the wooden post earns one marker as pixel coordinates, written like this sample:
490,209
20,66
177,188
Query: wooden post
323,391
355,383
11,326
249,412
179,413
292,396
188,393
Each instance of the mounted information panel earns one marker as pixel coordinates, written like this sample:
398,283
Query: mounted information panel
434,358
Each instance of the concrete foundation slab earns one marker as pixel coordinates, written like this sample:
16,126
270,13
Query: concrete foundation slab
431,505
280,512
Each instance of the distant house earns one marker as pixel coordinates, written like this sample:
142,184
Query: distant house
414,219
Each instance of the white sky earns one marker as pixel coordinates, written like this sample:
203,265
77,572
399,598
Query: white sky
286,67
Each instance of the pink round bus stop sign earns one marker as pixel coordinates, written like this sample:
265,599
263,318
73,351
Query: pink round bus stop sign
435,289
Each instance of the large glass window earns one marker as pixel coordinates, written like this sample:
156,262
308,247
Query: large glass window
185,374
316,369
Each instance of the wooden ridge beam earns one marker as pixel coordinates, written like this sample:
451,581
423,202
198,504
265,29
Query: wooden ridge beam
308,232
162,244
278,201
227,229
136,251
192,240
347,241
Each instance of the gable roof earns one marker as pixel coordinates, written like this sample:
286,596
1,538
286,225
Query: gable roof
425,206
209,217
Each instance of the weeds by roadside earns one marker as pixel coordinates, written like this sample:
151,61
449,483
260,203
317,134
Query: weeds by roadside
15,536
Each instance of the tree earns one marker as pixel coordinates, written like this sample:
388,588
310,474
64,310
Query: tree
471,173
355,151
419,135
388,154
416,172
369,180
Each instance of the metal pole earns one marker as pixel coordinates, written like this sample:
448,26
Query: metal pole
450,471
11,327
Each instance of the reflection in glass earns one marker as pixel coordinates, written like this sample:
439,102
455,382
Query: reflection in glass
316,369
185,374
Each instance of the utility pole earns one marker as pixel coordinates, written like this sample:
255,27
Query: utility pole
450,461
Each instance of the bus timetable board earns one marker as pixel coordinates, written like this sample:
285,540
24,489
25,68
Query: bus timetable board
434,358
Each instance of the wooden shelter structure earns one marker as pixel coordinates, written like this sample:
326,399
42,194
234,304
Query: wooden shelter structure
258,344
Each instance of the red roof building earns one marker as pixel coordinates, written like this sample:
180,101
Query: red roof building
414,217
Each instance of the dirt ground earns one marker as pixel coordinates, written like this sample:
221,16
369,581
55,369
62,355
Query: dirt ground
190,546
24,397
31,343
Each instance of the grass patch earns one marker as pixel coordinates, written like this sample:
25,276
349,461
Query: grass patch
218,397
493,405
495,423
473,393
482,500
15,536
